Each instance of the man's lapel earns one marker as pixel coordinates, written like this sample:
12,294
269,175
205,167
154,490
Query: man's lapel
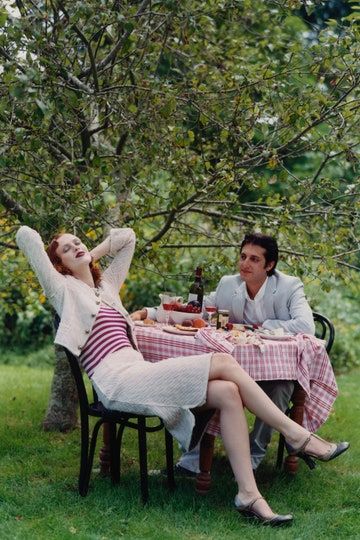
270,290
238,303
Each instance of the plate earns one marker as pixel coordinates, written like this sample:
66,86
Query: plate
173,330
141,323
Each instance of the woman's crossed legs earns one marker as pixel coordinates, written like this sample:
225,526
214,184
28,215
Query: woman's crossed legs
230,388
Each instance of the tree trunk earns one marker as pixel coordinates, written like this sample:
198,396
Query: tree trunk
61,414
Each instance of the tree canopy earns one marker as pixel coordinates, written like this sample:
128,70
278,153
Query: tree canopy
191,122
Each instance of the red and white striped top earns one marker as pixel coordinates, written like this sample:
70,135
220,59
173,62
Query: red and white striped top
107,335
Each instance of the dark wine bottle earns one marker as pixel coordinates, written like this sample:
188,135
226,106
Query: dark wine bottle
196,291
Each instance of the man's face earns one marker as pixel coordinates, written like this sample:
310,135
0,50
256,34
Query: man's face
252,264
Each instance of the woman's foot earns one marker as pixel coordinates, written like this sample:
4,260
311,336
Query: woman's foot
314,446
259,510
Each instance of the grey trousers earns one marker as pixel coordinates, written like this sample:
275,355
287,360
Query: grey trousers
280,393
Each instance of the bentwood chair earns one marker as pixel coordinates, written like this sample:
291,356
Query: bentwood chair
324,329
117,422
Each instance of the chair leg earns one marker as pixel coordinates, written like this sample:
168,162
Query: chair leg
91,453
291,463
143,459
104,454
203,479
118,446
83,482
280,452
87,456
114,455
169,460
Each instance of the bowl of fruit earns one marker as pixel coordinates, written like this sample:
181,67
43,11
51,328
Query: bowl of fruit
181,313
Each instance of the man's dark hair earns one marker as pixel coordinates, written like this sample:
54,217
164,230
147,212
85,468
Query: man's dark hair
268,243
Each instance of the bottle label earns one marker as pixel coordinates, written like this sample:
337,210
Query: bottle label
192,297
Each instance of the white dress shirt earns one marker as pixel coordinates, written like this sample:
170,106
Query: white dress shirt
254,308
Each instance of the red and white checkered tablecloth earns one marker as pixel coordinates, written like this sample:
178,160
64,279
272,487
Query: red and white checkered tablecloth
302,358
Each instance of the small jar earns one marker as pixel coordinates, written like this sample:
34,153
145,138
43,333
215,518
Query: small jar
222,318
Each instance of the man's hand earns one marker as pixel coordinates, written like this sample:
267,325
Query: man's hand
139,315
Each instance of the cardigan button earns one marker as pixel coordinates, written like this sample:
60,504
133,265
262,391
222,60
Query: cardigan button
87,331
93,314
79,347
97,302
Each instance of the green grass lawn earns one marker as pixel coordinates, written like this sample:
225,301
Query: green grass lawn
38,486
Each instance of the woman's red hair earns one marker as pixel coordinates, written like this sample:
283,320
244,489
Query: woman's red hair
58,265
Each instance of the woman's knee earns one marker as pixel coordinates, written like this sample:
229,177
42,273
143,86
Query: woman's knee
223,359
226,393
220,362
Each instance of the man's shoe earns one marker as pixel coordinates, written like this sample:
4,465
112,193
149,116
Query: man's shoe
178,471
181,471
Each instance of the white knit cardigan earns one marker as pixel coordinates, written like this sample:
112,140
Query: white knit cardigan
76,303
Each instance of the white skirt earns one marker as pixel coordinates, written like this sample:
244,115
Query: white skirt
124,381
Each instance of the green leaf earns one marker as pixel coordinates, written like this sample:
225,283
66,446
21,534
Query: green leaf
224,134
42,106
3,17
17,91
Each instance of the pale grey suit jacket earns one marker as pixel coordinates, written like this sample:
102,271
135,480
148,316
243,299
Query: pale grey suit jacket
285,303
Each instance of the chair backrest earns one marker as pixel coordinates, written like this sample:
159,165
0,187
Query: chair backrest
77,374
324,329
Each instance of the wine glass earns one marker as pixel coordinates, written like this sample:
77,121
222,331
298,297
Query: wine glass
210,310
167,302
167,307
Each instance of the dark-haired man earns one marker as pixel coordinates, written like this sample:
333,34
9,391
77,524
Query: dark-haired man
260,294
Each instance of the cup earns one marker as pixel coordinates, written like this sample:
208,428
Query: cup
168,300
167,307
211,312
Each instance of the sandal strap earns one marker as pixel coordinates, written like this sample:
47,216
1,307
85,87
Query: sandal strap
326,454
304,445
249,507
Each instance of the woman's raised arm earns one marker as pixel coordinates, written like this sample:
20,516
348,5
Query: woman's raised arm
120,244
31,244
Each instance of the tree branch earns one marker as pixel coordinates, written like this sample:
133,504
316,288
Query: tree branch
12,206
75,82
166,227
215,214
10,246
8,57
61,149
87,45
121,143
112,54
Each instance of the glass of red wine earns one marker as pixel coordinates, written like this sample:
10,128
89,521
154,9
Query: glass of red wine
167,307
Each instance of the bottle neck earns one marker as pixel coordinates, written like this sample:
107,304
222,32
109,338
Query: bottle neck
198,274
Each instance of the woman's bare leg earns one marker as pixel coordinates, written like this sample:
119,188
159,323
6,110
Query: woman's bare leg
224,367
224,395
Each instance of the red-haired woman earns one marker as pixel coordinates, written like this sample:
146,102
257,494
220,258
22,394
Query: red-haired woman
96,327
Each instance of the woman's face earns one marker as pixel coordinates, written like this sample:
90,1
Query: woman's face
72,252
